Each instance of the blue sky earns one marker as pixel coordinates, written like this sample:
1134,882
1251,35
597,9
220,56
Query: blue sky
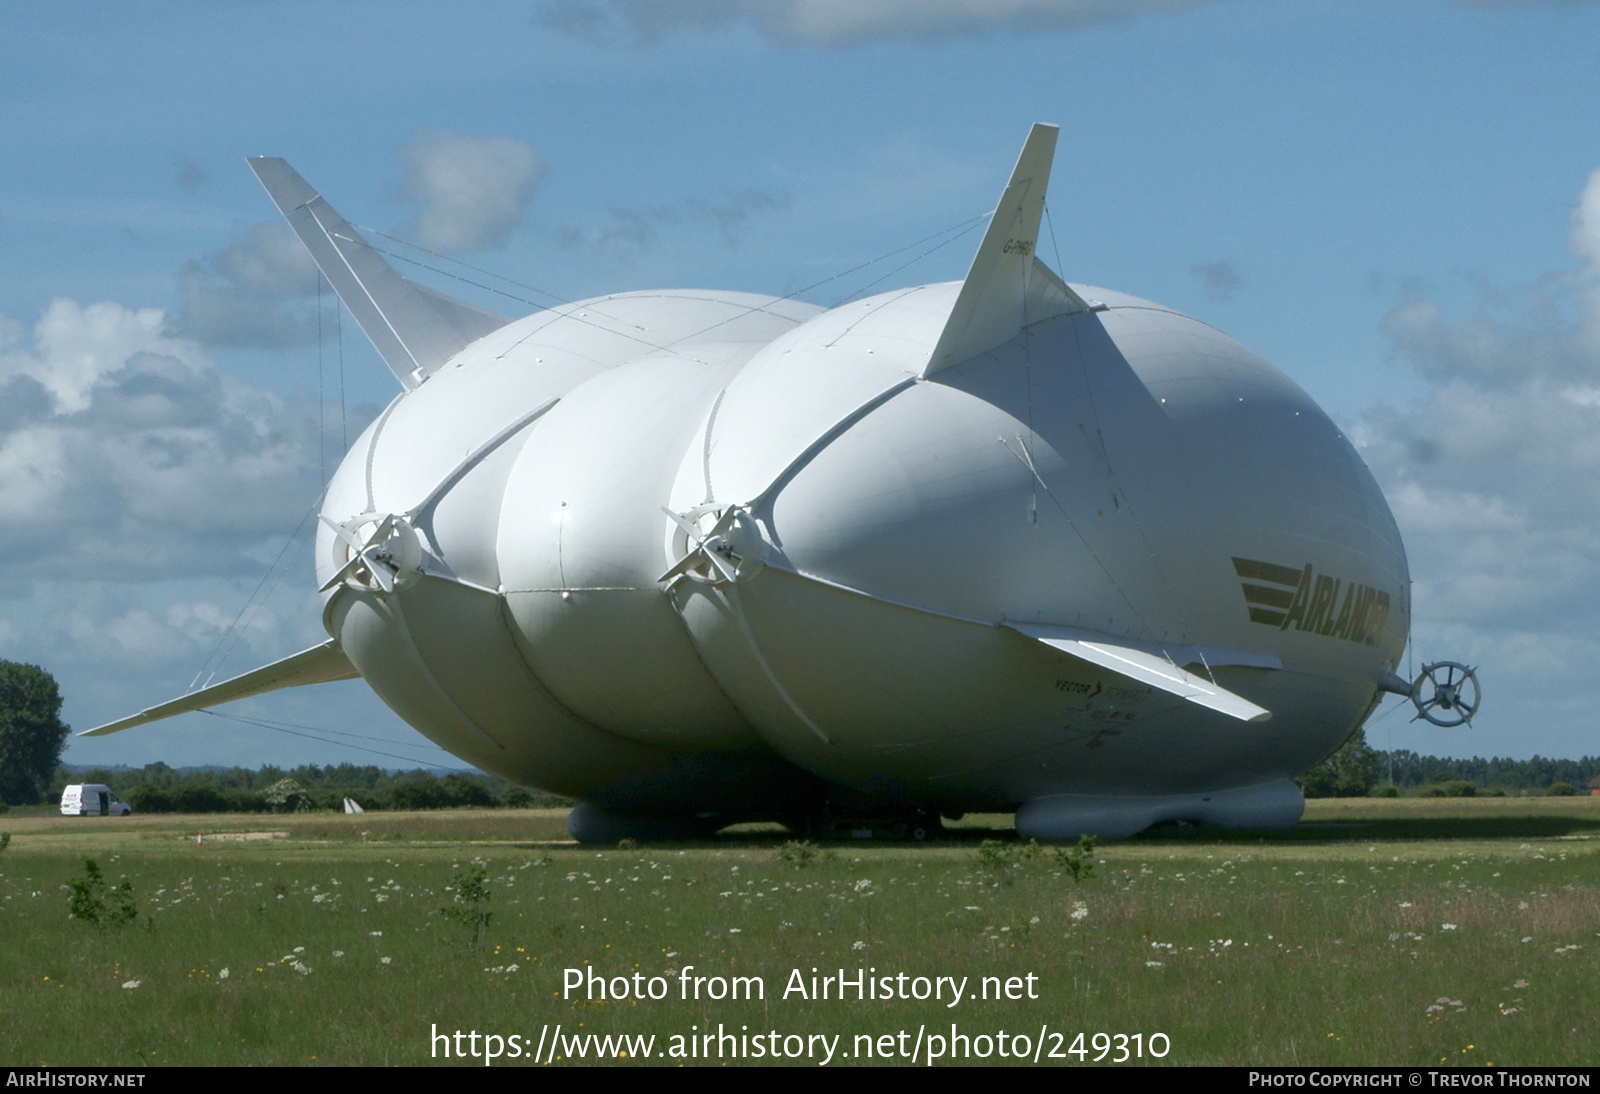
1392,202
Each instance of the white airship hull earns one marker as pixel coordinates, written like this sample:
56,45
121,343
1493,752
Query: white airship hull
1000,544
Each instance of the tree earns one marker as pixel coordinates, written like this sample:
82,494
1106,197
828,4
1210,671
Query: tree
32,733
1348,773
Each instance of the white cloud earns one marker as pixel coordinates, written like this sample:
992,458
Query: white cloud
844,22
633,231
473,189
1494,474
127,455
1218,280
254,292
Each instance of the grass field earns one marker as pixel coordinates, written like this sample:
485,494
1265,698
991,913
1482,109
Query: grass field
1403,931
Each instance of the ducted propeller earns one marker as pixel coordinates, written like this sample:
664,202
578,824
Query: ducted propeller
383,551
730,550
1455,697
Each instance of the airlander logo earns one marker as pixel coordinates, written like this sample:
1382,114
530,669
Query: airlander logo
1282,597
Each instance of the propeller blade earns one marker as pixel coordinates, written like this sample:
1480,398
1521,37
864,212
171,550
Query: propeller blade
343,573
379,569
686,522
678,569
720,562
343,533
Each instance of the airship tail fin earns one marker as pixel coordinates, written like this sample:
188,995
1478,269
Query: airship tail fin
317,665
414,328
1007,287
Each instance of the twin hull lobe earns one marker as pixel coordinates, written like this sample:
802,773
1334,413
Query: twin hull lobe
1104,471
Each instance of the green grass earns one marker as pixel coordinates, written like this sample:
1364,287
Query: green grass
1406,931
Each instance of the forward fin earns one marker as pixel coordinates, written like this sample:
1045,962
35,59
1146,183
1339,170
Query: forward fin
1152,669
317,665
414,328
1007,287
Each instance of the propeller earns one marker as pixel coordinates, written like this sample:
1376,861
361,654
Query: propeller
1455,697
383,551
730,550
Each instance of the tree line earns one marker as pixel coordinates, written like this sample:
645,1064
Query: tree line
1356,770
158,788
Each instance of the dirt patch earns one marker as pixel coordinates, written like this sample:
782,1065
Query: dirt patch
222,836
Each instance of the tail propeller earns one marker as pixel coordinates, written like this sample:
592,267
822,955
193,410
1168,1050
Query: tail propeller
1454,697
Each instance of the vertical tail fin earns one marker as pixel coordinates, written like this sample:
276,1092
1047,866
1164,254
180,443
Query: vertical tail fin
1007,287
414,328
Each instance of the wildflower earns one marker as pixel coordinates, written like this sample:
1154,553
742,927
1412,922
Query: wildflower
1080,910
1447,926
385,960
1152,964
222,974
131,984
858,945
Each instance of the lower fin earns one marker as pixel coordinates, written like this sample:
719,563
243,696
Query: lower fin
1145,667
317,665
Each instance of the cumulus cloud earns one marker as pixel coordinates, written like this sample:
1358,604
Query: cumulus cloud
1218,280
151,629
127,455
256,291
630,232
190,176
1494,474
473,190
841,22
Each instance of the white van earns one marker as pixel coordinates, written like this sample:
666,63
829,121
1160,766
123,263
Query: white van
92,800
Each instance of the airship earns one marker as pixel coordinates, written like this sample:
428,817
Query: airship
1007,544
